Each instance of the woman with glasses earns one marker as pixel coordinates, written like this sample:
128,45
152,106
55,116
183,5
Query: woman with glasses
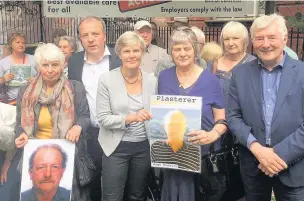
186,78
52,107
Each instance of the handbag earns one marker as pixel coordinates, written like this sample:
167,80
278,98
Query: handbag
4,97
216,163
221,162
83,163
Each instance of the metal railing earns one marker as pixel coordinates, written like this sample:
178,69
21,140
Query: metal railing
26,17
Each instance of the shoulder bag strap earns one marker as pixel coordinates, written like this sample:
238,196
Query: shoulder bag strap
214,67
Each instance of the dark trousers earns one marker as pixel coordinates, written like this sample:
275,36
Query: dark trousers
95,151
259,188
9,191
125,171
235,185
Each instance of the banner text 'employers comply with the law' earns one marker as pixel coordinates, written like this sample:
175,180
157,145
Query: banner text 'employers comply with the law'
149,8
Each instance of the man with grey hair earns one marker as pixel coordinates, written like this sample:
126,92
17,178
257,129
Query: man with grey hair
265,113
153,54
87,66
46,168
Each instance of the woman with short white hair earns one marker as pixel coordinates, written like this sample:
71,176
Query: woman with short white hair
52,107
123,99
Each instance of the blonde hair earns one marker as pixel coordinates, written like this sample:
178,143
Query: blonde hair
233,28
267,20
129,38
211,51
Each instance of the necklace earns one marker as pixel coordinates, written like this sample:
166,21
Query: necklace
127,80
185,83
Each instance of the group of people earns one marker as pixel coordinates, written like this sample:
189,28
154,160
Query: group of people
99,99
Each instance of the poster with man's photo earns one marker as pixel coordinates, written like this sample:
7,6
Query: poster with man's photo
21,75
173,117
47,170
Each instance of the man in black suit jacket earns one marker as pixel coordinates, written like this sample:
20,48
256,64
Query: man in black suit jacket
266,114
86,67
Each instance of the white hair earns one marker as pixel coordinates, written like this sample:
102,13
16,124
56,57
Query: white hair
267,20
199,33
129,38
167,119
49,52
232,29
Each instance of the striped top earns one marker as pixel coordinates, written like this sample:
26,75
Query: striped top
187,158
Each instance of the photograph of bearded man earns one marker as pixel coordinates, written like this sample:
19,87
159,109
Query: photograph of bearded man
175,152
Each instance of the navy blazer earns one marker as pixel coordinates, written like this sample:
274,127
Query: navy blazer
245,115
76,62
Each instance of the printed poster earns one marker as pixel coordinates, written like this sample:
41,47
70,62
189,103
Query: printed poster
22,74
47,170
173,117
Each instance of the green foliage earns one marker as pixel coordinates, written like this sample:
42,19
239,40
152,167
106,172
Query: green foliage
297,21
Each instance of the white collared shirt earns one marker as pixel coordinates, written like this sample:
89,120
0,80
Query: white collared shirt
90,76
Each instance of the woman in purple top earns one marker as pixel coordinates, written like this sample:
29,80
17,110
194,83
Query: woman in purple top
188,79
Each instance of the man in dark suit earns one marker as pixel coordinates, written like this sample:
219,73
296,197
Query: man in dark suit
266,114
86,67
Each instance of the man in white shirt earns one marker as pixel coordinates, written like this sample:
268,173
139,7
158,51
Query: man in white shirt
153,53
86,67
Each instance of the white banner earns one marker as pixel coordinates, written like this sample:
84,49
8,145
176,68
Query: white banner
150,8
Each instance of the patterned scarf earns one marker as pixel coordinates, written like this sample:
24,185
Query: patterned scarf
60,104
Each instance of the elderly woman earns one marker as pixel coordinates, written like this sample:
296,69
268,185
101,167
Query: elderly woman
234,40
68,46
186,78
123,99
52,107
200,37
17,46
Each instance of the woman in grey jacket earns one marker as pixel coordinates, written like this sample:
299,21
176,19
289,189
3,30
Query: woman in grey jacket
52,107
123,99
